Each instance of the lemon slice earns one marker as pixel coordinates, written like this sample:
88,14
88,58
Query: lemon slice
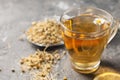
108,76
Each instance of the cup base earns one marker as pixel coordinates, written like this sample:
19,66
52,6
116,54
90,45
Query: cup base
85,69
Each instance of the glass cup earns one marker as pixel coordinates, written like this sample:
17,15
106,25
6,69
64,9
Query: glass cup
86,31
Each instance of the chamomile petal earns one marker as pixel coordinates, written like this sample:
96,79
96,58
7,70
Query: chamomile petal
99,21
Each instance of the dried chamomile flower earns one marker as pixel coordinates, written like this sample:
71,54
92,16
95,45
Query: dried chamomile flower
99,21
65,78
40,60
46,32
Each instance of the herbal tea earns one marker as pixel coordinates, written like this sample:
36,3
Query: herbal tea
85,39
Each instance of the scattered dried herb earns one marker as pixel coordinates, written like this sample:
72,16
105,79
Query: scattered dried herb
42,61
13,70
65,78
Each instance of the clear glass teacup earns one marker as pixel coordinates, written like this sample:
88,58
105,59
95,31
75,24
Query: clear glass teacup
86,31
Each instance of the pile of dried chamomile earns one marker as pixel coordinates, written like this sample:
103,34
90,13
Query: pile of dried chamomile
41,61
47,32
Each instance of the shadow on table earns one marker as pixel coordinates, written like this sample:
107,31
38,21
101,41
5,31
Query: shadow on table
105,66
52,48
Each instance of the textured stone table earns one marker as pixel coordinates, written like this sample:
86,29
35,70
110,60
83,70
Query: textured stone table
16,16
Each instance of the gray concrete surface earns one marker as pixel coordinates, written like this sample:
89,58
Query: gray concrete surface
16,16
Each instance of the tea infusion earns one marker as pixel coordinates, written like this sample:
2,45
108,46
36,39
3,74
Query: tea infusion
85,49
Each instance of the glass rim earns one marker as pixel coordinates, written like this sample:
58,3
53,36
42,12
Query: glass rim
93,33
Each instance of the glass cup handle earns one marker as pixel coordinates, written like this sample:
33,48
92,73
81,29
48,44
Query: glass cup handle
114,29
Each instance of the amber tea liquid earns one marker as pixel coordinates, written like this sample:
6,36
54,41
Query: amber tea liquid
85,39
